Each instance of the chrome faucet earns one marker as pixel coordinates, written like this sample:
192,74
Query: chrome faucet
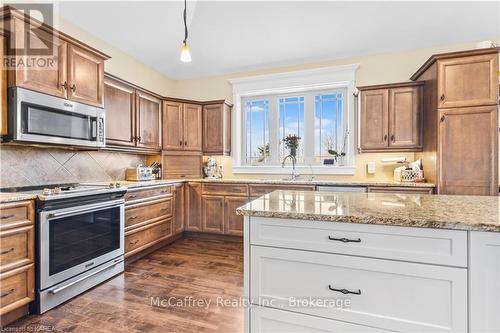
295,175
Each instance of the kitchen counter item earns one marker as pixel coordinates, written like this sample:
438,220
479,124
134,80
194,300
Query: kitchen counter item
140,173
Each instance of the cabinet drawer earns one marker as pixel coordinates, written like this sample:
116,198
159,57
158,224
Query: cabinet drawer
268,320
137,195
147,212
225,189
141,238
392,295
257,190
16,214
16,288
433,246
16,247
403,190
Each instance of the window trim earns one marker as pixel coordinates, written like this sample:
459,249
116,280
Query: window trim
324,78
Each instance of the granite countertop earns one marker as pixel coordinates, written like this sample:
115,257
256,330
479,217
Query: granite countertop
17,196
313,182
479,213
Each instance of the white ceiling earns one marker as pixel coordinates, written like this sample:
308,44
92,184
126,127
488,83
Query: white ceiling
232,36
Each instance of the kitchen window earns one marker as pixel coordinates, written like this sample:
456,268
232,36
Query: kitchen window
317,117
317,105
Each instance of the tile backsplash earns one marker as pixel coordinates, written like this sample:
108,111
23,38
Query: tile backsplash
24,166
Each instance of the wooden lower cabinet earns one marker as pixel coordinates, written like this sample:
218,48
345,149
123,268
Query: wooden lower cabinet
213,214
17,273
140,239
178,208
233,224
193,207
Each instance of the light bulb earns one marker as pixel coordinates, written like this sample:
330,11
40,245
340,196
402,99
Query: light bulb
185,54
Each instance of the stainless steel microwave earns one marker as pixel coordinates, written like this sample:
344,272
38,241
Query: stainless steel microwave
39,118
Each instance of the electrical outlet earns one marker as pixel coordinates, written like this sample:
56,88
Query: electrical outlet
370,168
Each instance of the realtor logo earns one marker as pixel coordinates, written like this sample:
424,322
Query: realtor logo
30,43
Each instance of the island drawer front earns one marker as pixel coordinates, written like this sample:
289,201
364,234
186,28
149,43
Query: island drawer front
141,238
432,246
399,296
225,189
147,212
153,192
257,190
268,320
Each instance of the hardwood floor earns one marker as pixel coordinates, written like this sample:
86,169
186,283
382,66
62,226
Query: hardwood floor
203,269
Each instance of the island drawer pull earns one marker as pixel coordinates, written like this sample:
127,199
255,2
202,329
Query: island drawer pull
7,293
344,291
7,216
5,251
345,240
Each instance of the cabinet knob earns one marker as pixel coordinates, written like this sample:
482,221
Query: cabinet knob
180,143
73,87
443,118
65,85
442,97
139,139
393,138
385,137
185,143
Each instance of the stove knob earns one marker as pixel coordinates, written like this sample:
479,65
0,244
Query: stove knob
56,190
111,185
118,185
47,191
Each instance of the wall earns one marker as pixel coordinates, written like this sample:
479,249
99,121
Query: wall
121,64
24,166
374,69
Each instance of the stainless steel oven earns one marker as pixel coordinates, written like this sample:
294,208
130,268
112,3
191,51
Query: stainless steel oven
80,243
40,118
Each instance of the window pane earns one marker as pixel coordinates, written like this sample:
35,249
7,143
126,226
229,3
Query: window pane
257,131
291,122
328,125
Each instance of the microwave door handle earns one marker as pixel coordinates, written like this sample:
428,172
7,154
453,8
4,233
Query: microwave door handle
81,211
93,128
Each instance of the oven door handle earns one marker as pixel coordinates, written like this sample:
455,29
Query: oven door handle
58,290
85,210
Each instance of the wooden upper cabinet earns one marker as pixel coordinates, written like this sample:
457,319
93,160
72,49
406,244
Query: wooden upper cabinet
374,119
468,81
148,117
192,212
391,117
467,151
53,80
119,103
85,76
405,117
217,129
192,127
173,132
3,87
213,214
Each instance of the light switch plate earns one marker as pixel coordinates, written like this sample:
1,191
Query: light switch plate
370,168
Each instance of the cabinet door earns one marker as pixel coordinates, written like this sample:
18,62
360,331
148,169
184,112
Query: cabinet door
192,127
85,76
213,129
51,81
173,126
405,117
179,208
233,224
148,121
468,81
468,151
484,282
193,207
374,119
3,87
213,214
119,102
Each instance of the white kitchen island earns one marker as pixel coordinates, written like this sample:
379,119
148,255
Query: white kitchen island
371,262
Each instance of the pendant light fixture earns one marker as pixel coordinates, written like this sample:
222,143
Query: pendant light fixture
185,54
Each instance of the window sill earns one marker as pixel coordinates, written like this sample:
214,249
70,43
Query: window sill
302,169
